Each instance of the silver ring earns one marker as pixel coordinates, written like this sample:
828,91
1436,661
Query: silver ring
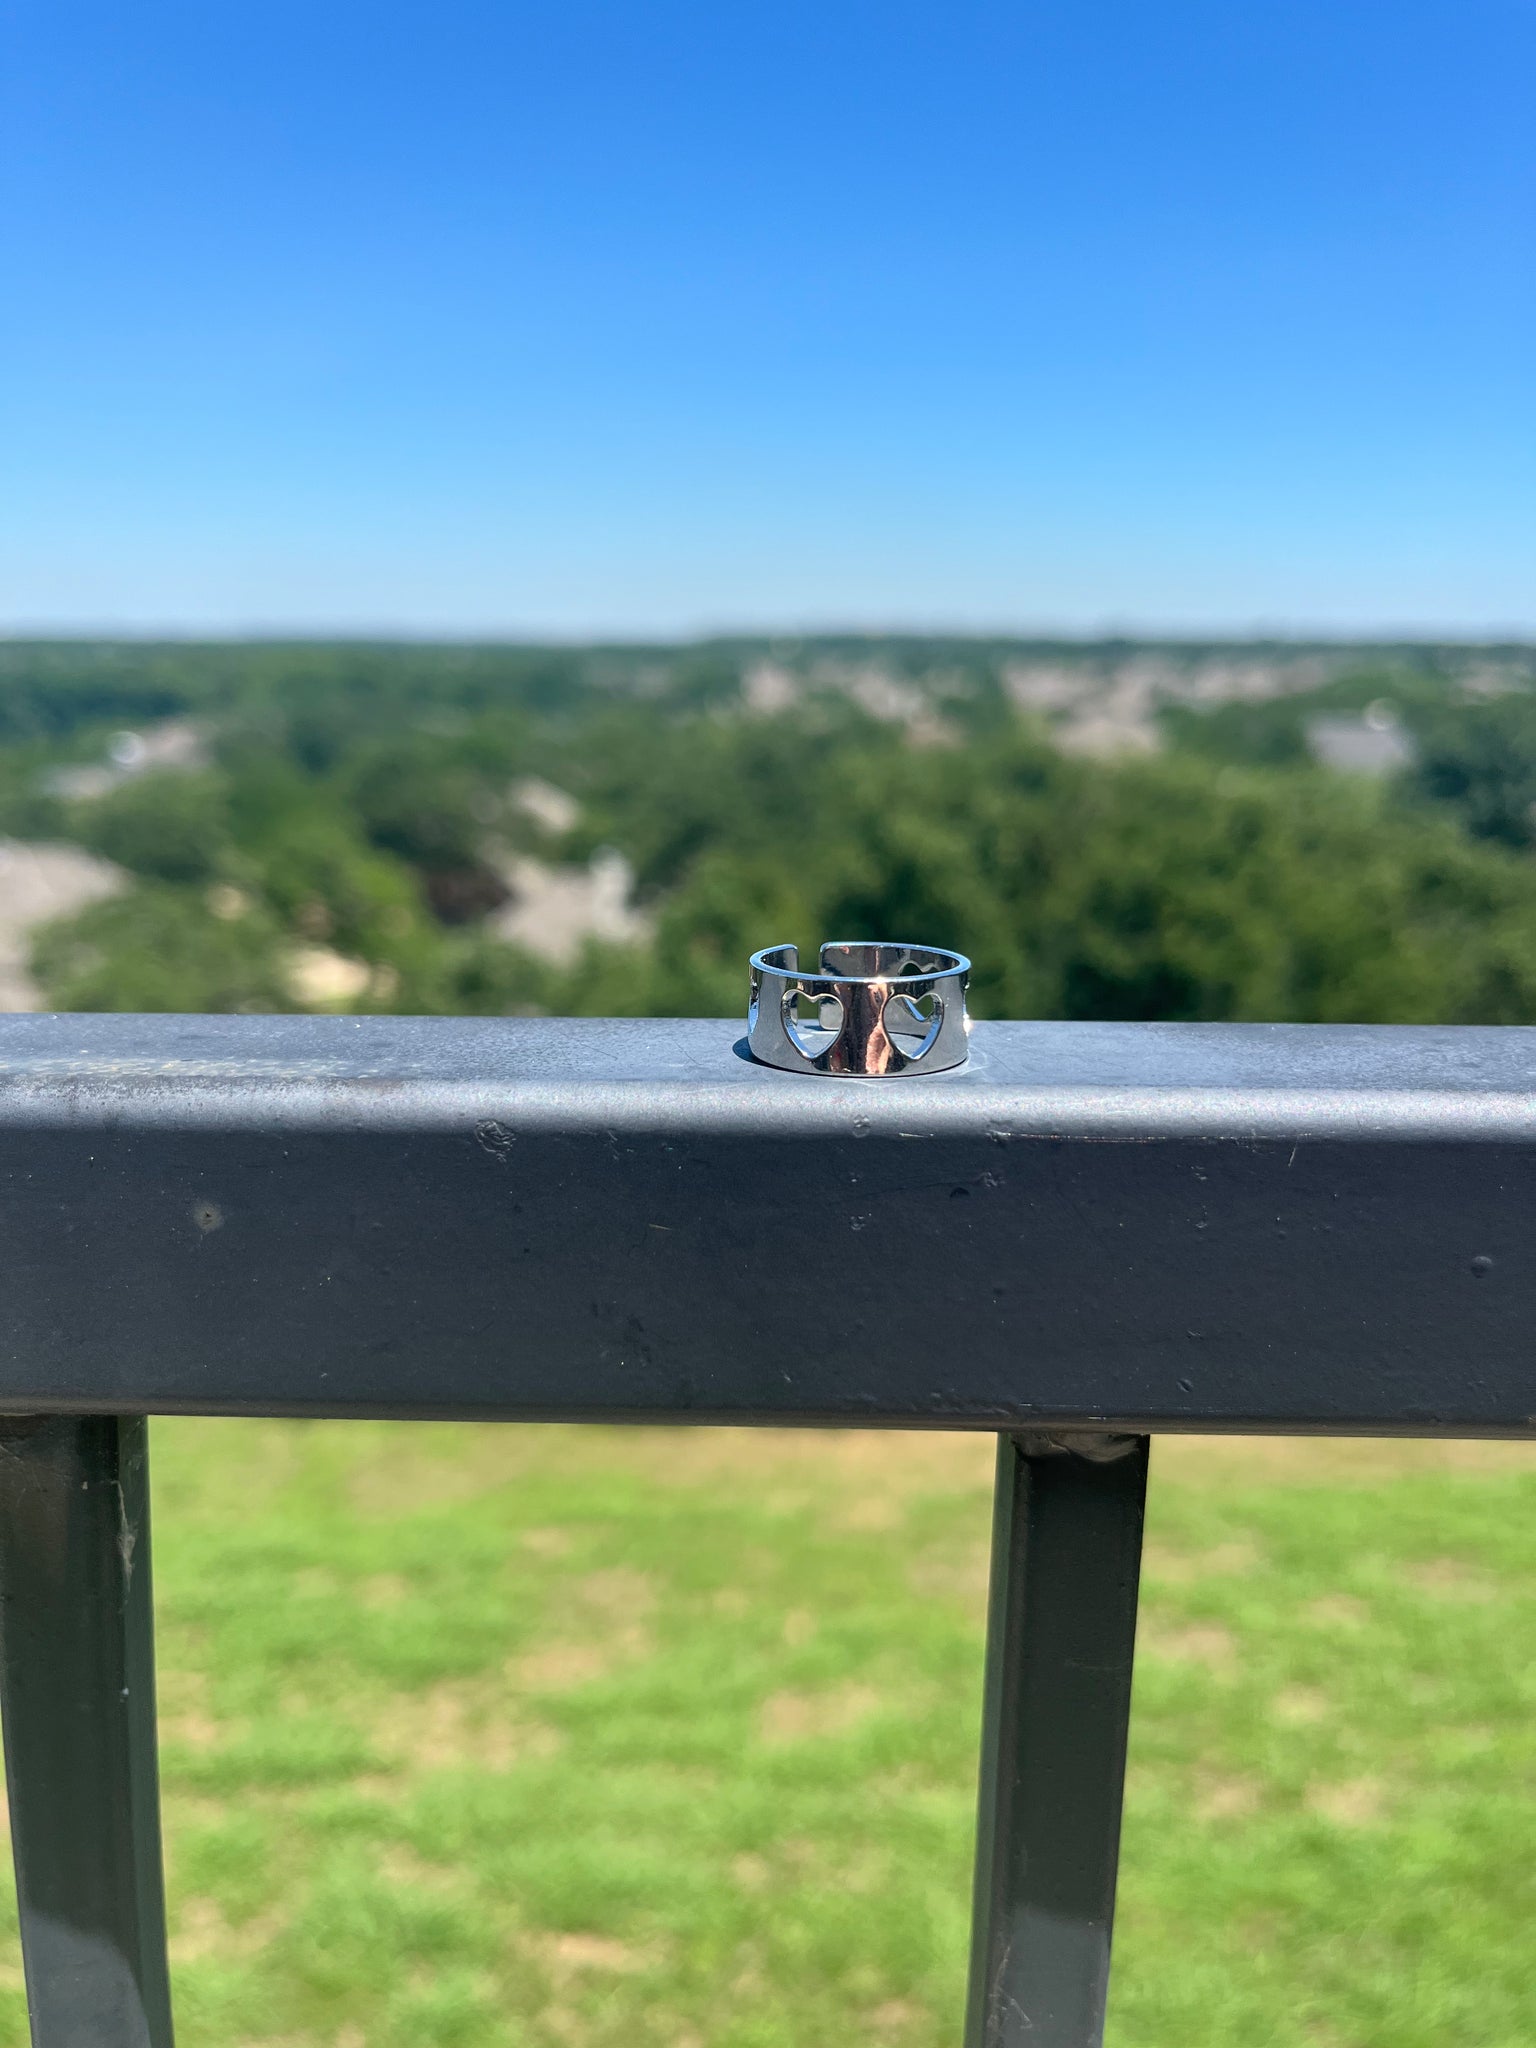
869,1018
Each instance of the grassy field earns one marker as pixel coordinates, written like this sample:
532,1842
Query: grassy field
576,1740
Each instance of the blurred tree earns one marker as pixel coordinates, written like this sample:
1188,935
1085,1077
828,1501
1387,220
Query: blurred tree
1151,889
168,825
331,886
163,949
1481,760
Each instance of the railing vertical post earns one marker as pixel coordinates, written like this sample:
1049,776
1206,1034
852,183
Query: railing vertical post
1061,1627
77,1695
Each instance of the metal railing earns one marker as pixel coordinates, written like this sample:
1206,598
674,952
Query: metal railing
1085,1236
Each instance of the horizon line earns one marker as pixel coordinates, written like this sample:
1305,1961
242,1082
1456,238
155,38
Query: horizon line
1110,633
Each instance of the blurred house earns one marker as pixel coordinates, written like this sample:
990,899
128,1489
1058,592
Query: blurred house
553,911
1374,744
178,744
37,884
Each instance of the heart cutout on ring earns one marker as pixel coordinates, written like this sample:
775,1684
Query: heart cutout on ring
912,1023
812,1035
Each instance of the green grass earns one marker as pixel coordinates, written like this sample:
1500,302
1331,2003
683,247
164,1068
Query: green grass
571,1739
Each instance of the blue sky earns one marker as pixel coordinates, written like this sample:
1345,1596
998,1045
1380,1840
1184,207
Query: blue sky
587,318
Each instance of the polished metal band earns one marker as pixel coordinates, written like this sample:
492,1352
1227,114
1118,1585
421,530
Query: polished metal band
868,1016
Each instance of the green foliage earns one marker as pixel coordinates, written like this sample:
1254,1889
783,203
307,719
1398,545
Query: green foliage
1480,760
1151,889
705,678
28,808
464,973
327,884
171,827
363,799
1269,735
1272,732
1155,890
413,799
50,691
162,948
304,850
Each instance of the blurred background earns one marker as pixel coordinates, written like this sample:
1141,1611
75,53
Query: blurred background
506,510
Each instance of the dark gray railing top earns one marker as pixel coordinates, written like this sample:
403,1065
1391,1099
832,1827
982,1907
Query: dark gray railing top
1158,1080
1122,1227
